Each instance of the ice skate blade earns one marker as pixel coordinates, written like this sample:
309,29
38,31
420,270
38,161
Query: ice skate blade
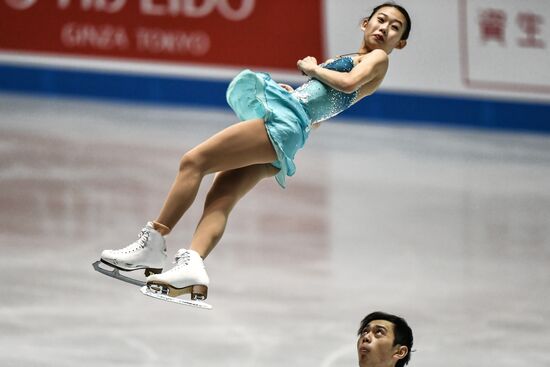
196,303
115,273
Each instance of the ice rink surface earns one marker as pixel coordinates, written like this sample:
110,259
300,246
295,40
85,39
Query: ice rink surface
449,228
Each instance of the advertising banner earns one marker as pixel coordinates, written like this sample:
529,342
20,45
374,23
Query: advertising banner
250,33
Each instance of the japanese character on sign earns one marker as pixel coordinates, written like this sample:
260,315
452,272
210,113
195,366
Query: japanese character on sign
492,24
529,24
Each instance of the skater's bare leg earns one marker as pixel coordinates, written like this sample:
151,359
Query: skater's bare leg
239,145
227,189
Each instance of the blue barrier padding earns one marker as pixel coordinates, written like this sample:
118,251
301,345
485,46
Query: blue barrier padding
402,107
122,87
467,112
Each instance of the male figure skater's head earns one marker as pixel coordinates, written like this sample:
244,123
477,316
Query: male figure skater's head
384,340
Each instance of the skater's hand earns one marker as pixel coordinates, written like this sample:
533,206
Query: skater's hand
287,87
307,65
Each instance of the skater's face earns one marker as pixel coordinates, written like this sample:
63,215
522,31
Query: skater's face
375,345
384,29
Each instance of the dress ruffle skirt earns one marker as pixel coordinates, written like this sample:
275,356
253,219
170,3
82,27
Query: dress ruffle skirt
255,95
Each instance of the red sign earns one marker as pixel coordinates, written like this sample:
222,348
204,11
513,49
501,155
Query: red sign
250,33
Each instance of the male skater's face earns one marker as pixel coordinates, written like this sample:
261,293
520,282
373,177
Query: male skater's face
375,345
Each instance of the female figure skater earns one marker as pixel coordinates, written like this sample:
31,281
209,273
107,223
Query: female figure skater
276,121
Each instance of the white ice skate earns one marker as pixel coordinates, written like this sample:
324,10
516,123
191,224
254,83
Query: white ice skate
147,253
187,277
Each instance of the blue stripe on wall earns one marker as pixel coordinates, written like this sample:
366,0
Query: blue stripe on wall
413,108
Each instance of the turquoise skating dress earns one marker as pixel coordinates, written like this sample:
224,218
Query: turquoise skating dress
288,116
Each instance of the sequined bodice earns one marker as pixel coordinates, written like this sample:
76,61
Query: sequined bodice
321,101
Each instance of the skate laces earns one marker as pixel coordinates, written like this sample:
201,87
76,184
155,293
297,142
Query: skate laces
182,257
143,237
